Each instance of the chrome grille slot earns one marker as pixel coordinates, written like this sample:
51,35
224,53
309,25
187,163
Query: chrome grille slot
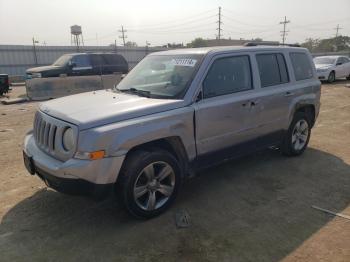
47,132
51,137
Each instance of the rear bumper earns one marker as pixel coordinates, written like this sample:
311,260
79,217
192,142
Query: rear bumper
74,176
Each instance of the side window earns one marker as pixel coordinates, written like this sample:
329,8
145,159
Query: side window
346,60
301,65
272,69
81,61
228,75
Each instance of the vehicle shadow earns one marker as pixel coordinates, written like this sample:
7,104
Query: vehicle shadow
257,208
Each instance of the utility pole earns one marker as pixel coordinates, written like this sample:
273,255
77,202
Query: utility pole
337,30
219,23
284,32
34,50
115,46
147,45
336,37
123,36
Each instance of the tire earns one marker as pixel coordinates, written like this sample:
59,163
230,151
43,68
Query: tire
149,182
297,136
348,77
331,77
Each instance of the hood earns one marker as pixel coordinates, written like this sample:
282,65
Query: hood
42,69
323,66
92,109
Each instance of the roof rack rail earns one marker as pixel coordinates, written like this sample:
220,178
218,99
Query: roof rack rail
269,43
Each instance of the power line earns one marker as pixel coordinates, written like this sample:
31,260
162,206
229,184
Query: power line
123,36
200,26
244,23
193,17
284,32
177,26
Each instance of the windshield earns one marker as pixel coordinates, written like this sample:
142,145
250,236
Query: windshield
324,60
166,76
63,60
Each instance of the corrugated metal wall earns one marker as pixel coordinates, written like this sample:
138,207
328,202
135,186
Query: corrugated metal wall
15,59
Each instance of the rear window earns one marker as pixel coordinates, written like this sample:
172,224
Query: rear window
301,65
272,69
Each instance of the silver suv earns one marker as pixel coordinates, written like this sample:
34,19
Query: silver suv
176,112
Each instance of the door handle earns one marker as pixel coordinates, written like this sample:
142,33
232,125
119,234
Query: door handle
288,93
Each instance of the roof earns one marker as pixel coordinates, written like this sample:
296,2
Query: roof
220,49
331,56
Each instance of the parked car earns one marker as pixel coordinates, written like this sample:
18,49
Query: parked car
176,112
4,84
81,64
330,68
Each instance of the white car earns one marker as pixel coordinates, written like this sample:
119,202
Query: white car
330,68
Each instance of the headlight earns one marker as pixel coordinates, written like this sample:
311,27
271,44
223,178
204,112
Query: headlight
323,70
68,139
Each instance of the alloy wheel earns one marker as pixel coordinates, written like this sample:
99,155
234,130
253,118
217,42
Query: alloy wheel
300,134
154,186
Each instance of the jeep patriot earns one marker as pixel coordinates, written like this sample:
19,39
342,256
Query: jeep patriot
174,113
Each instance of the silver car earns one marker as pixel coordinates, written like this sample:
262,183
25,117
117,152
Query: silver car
176,112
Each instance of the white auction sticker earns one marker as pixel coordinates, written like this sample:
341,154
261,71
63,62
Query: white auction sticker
184,62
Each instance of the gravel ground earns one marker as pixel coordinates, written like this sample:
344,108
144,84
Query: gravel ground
257,208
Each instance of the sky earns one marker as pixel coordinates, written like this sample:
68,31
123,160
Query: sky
162,21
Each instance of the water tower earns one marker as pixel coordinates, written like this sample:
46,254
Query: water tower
76,36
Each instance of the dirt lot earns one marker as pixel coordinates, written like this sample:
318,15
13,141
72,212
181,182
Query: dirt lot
254,209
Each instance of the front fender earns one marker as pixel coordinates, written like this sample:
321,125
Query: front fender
118,138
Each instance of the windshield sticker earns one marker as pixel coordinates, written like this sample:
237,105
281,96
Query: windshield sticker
184,62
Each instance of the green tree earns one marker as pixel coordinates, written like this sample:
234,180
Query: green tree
198,42
340,43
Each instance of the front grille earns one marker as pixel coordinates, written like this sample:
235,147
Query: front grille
48,131
44,133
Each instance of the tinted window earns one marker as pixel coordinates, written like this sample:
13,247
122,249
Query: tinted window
81,61
272,69
97,60
346,60
228,75
112,59
301,65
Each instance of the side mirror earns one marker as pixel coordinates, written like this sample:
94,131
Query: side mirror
339,63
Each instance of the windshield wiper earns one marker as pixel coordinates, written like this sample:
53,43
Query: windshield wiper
136,91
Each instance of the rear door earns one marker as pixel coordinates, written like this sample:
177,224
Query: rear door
223,115
275,93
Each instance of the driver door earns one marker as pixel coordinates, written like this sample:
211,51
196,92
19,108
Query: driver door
80,66
223,117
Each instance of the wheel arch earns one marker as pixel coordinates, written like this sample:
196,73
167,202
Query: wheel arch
172,144
308,108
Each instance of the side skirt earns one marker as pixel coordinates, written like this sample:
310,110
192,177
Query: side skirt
236,151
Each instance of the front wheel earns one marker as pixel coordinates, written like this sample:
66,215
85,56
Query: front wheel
331,77
297,136
149,182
